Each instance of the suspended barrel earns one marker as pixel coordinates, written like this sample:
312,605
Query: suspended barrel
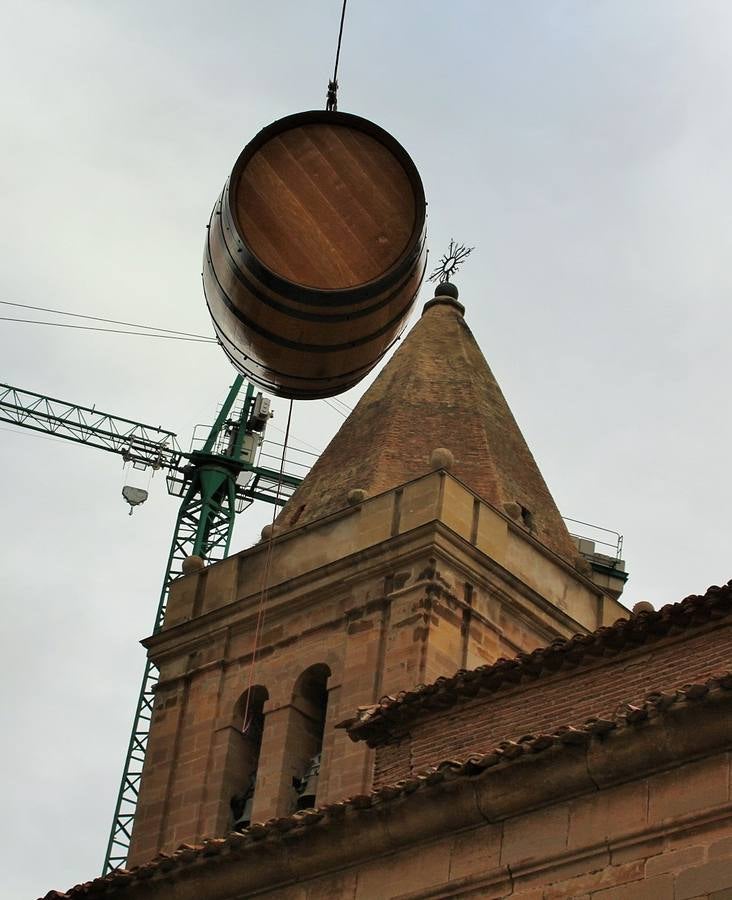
315,252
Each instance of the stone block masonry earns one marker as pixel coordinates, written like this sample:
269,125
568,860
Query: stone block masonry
384,595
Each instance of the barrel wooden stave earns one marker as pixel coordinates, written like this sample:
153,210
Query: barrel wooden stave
275,358
290,320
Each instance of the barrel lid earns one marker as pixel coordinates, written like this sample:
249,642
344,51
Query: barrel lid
326,201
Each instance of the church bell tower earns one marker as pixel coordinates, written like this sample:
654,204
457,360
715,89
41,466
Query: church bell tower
423,541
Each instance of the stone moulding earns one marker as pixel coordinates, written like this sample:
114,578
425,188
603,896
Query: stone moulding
514,778
378,723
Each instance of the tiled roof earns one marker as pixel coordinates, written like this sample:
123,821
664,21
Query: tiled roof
376,724
629,720
437,391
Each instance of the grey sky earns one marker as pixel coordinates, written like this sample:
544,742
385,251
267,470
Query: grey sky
582,146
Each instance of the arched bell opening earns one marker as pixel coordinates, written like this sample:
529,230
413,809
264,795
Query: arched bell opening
243,756
309,704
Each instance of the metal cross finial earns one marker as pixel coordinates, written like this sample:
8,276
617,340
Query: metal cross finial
451,261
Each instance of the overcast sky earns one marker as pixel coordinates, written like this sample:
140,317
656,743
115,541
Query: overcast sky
583,147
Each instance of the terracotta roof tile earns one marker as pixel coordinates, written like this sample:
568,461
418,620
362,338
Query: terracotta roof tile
376,723
630,719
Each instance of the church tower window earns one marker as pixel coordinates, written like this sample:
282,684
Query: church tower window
309,706
243,757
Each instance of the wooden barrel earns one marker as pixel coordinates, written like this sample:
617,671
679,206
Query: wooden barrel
314,253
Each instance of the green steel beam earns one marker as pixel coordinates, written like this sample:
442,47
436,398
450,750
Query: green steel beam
226,408
204,527
205,479
241,427
134,441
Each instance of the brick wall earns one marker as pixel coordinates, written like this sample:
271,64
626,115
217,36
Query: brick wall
417,404
546,703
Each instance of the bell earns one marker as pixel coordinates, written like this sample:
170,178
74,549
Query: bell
307,786
241,806
244,819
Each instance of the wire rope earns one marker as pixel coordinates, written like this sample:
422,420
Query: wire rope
63,312
342,403
317,450
34,434
332,96
265,578
339,411
170,337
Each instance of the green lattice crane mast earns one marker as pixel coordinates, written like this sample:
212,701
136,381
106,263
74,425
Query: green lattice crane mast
215,482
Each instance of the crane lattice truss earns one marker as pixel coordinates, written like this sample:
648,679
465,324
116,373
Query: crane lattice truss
219,519
215,482
135,442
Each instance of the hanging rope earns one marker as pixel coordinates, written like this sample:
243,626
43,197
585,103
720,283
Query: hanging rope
331,103
265,579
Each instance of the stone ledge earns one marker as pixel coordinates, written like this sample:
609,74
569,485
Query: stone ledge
451,797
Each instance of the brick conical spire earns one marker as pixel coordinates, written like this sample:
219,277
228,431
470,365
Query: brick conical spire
436,391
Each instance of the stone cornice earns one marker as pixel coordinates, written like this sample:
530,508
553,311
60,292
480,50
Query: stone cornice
662,732
192,633
377,723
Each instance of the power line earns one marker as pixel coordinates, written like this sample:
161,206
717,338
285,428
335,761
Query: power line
63,312
169,333
339,411
345,405
170,337
317,450
333,400
151,331
34,434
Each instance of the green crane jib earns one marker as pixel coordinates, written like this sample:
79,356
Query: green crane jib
135,442
215,482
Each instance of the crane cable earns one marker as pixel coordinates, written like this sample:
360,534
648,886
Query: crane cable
265,580
331,103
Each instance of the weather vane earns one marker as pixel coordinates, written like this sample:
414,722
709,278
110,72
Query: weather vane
451,261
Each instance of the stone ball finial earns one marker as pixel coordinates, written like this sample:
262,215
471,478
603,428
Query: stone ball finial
446,294
642,606
356,496
441,458
447,289
512,510
268,532
192,564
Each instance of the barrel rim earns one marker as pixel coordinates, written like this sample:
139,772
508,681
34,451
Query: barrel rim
288,343
333,306
332,299
283,384
306,293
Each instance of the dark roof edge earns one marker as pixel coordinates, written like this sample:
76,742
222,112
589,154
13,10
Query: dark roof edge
378,723
314,842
